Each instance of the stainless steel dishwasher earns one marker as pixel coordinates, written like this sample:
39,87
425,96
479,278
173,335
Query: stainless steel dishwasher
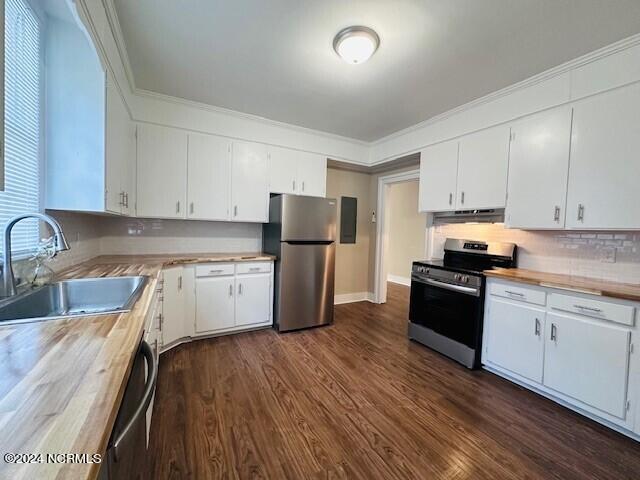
127,451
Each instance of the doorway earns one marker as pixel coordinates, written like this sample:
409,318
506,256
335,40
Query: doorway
400,233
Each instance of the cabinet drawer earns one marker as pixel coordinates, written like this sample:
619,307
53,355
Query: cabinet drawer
258,267
215,269
522,294
603,310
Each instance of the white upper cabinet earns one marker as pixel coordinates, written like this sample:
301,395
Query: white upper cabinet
283,170
605,163
120,148
438,177
312,175
209,177
162,172
483,162
249,183
90,138
538,168
300,173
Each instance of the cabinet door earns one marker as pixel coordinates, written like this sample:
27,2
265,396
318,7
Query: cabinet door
209,177
128,171
438,174
588,360
173,306
605,163
312,175
483,164
253,299
515,338
283,169
214,303
117,148
162,172
249,183
538,168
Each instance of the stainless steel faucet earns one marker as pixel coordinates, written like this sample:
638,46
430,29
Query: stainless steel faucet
60,244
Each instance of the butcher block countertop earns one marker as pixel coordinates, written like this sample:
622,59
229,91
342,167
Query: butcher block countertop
62,381
625,291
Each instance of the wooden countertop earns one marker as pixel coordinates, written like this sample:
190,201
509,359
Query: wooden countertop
62,381
591,286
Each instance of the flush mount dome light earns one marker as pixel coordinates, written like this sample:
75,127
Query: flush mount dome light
356,44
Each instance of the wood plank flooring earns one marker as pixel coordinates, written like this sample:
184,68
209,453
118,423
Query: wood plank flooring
358,400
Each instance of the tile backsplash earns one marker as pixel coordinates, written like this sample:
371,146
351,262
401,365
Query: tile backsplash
611,256
93,235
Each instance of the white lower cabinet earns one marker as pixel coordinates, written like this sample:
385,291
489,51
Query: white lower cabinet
523,326
173,306
215,303
589,361
585,361
215,298
253,299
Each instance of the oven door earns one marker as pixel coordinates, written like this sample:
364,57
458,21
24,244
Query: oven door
450,310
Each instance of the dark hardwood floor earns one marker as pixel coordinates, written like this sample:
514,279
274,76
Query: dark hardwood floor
358,400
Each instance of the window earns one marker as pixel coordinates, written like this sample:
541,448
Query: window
23,122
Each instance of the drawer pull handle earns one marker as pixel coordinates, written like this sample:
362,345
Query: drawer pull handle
254,269
554,332
537,328
216,271
588,309
517,294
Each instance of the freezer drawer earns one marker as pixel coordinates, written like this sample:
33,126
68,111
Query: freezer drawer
304,286
305,218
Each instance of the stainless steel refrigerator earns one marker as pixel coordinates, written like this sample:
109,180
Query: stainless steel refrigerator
301,233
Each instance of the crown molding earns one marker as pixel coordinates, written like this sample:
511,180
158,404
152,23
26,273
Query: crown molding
606,51
246,116
590,57
116,30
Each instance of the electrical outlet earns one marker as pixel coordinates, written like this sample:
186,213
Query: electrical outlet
608,255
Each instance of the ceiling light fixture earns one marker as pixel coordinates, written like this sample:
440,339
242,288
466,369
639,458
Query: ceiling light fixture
356,44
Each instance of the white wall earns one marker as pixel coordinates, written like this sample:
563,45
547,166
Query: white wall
405,231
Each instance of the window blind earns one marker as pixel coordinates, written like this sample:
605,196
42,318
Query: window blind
23,119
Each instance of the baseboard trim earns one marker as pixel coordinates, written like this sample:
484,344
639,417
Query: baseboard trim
399,280
353,297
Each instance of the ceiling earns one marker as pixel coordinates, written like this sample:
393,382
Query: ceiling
275,59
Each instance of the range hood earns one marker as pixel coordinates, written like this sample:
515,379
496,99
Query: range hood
492,215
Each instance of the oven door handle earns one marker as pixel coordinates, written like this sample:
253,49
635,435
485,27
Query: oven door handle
448,286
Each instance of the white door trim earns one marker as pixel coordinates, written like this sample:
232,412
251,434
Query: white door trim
380,283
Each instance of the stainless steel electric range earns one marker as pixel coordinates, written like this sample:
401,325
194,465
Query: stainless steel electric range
447,297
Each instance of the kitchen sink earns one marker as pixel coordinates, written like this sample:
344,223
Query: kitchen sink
73,298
